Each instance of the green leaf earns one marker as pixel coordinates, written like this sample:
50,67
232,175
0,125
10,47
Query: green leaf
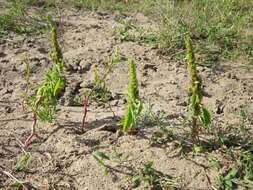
193,100
23,162
232,173
136,179
128,120
205,117
102,155
57,87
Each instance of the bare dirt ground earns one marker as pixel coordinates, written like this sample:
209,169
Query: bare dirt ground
62,156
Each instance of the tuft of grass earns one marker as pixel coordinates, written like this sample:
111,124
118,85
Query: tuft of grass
134,103
240,170
132,32
198,111
108,5
19,19
218,26
155,178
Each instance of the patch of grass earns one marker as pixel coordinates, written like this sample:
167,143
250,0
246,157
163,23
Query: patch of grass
240,170
131,31
18,18
155,178
112,5
218,26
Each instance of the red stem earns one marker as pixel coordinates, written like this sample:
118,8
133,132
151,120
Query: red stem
33,134
85,107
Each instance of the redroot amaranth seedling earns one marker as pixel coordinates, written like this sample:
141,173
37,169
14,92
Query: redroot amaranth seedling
198,112
44,102
100,91
134,103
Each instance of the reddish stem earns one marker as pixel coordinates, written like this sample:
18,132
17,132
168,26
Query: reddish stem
85,108
33,134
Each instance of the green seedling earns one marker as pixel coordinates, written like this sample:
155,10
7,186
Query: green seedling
115,157
100,92
23,162
198,112
155,178
27,80
16,183
123,33
214,162
134,103
240,170
149,118
228,181
100,157
44,102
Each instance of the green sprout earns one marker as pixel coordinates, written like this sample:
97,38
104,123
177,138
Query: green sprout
44,102
197,110
134,103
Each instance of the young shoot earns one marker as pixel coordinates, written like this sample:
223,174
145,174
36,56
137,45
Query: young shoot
100,92
44,102
134,103
199,114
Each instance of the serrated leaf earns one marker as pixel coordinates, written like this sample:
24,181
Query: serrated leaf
205,117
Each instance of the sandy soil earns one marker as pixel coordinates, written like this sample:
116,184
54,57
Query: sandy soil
62,156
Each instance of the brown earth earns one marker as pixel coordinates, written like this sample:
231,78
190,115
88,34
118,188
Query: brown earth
62,156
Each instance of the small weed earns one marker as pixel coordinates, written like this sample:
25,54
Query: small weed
23,162
16,183
155,178
134,103
18,20
100,92
27,80
149,118
44,102
131,32
100,157
198,111
214,162
240,170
